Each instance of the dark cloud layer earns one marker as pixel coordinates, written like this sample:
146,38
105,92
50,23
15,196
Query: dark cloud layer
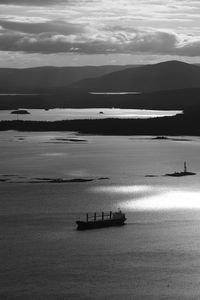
93,27
34,2
49,42
55,26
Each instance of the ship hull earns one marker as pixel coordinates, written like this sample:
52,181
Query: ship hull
81,225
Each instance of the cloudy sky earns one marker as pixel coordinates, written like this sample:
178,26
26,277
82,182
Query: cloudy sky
95,32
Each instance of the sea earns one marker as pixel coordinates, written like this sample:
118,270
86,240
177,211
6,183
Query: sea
156,255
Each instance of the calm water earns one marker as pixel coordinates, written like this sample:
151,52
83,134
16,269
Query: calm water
155,256
90,113
115,93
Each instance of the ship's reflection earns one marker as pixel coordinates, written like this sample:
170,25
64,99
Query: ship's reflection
145,197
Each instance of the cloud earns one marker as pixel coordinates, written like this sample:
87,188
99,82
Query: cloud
33,2
191,49
33,27
48,38
100,27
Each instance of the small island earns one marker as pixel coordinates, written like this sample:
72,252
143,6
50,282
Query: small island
160,138
20,112
180,174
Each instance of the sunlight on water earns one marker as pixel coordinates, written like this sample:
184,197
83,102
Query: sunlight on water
115,93
87,113
166,201
53,154
152,198
124,189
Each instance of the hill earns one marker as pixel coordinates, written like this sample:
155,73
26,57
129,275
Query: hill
168,85
45,78
170,75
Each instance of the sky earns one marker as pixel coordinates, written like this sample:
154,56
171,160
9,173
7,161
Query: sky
98,32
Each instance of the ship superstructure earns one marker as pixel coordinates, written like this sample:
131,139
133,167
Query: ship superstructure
99,220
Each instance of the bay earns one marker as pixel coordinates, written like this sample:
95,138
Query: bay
42,256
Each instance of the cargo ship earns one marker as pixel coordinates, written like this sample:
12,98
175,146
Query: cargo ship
104,219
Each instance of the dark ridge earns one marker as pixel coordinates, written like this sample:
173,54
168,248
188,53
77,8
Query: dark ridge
167,75
45,78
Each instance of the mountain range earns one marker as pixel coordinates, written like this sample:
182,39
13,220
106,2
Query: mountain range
45,78
166,85
169,75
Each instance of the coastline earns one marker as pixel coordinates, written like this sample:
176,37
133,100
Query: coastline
185,124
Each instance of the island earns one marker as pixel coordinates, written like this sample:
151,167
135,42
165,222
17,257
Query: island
20,112
180,174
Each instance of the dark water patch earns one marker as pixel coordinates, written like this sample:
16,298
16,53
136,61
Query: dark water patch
61,180
19,136
79,180
8,175
71,140
43,178
181,140
160,138
171,139
63,143
67,140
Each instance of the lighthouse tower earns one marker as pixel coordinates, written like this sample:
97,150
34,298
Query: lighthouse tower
185,167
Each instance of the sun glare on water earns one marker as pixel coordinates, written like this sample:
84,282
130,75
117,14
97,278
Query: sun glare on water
174,200
123,189
141,197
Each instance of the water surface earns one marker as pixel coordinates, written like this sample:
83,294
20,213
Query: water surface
89,113
155,256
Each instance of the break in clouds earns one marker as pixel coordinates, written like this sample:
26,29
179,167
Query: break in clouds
100,27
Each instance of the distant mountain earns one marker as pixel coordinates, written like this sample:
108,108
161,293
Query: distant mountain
44,78
168,85
168,75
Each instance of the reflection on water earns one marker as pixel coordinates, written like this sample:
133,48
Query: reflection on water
53,154
124,189
115,93
153,198
88,113
174,200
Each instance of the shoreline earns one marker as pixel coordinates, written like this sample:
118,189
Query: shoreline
179,125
